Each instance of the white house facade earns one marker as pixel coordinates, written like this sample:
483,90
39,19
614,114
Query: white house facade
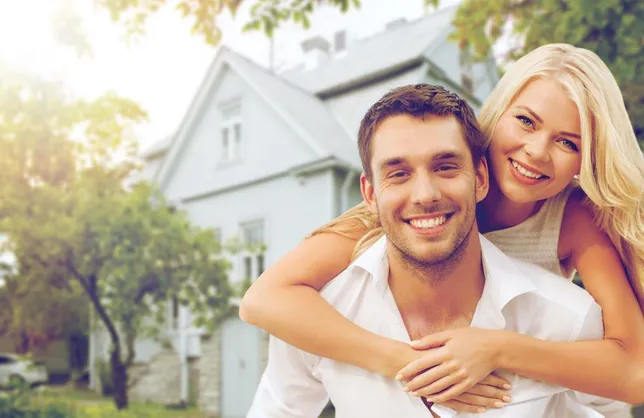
269,157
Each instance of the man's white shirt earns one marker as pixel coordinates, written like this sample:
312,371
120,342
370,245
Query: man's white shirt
517,296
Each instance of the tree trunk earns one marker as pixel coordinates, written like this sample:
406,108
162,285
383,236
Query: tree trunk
119,370
119,380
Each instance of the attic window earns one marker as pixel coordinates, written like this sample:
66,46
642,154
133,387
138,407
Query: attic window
340,41
231,133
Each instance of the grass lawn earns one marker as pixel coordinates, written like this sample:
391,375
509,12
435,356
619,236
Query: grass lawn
93,405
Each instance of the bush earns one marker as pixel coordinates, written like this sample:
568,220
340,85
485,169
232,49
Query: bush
19,404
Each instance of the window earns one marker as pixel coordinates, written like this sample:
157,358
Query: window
253,262
231,133
253,234
216,232
175,313
248,267
260,264
467,82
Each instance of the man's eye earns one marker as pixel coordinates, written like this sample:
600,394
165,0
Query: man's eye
445,167
397,174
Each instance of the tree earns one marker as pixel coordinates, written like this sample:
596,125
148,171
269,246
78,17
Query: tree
614,29
73,222
265,14
34,314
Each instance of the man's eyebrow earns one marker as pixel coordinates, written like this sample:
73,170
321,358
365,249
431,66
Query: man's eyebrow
391,162
448,155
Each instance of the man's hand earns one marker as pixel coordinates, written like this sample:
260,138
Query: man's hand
490,393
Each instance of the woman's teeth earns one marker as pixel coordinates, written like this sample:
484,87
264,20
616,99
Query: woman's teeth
428,223
525,172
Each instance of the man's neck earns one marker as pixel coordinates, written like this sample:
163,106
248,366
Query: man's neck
432,299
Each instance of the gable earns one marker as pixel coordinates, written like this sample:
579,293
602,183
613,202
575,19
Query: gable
268,144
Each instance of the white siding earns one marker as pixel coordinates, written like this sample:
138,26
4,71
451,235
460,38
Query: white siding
268,144
289,207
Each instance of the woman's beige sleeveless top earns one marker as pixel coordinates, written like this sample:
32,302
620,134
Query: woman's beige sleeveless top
536,239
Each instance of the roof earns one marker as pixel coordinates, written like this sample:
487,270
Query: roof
295,96
156,148
403,44
311,114
306,114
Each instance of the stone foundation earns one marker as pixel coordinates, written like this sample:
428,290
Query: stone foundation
209,393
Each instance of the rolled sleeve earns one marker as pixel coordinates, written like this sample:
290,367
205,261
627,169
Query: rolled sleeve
288,388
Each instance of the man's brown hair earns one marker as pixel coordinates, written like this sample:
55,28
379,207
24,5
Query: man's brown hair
419,100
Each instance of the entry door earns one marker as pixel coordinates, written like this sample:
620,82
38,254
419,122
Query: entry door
240,367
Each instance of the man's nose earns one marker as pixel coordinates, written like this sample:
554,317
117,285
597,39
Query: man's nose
425,190
538,147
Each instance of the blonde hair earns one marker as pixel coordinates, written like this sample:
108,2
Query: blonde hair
612,164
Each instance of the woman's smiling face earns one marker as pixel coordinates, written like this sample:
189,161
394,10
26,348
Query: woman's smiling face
536,147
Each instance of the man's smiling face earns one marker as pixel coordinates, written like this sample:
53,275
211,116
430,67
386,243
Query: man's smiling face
424,186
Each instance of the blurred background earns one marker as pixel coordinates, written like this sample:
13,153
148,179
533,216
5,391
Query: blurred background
158,155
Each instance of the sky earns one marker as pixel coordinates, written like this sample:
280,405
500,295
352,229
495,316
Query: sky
162,69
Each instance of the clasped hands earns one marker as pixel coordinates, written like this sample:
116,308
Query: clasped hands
455,368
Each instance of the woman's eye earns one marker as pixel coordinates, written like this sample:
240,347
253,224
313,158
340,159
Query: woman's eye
569,144
526,121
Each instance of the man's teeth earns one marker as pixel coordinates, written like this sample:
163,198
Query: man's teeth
525,172
428,223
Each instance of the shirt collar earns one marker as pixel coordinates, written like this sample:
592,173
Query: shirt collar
504,281
372,258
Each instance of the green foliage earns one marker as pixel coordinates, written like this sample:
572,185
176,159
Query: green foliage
133,14
52,404
614,29
35,314
77,224
266,15
19,404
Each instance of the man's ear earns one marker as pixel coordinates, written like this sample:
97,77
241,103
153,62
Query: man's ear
482,180
368,193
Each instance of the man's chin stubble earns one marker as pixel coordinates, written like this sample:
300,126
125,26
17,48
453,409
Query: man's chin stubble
436,271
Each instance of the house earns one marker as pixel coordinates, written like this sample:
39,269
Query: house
269,157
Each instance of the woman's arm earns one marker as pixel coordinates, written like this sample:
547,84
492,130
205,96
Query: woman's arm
614,367
611,368
285,302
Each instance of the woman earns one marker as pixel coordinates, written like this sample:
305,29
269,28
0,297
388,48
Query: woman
556,119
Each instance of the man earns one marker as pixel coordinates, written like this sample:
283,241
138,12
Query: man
424,171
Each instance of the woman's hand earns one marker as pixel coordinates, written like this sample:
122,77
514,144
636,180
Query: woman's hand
490,393
454,361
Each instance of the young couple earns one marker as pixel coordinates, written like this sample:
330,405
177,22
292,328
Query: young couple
435,315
